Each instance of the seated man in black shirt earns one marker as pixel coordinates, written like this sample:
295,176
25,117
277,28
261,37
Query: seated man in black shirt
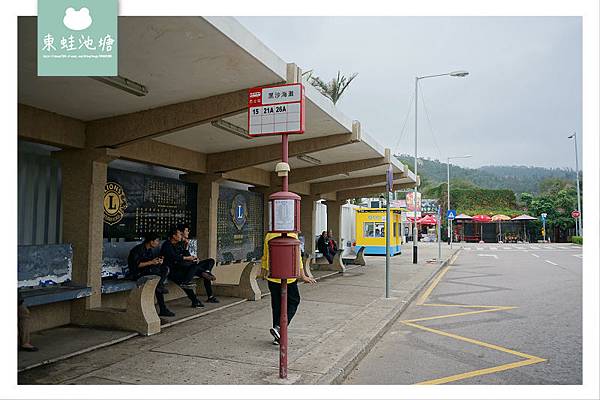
184,267
204,266
323,247
142,261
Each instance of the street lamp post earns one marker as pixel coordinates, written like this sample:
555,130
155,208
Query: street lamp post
459,74
578,227
448,175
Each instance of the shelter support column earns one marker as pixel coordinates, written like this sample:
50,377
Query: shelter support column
334,214
83,181
206,213
307,222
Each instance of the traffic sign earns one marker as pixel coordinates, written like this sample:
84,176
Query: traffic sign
450,214
276,110
575,214
390,179
543,215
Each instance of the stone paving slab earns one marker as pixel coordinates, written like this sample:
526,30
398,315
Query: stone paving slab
182,370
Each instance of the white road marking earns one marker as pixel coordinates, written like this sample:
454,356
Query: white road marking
577,255
535,255
488,255
550,262
479,248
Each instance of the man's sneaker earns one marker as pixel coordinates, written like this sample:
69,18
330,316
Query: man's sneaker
197,304
212,299
276,342
275,332
166,313
162,290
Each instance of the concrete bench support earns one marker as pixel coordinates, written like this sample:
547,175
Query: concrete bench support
358,260
306,264
139,316
234,280
322,264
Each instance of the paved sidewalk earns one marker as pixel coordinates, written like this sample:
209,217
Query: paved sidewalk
339,320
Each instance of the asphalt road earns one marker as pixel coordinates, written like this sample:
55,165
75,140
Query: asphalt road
537,342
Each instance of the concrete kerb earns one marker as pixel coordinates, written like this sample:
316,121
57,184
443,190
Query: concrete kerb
338,372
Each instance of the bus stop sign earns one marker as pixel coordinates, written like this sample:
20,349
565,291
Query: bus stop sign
275,110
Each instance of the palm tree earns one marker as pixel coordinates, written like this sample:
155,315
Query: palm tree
332,90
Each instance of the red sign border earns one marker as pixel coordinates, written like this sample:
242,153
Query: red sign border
302,102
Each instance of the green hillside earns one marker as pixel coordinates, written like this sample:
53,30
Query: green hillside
519,179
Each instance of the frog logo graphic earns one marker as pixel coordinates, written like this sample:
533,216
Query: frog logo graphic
115,203
77,20
239,211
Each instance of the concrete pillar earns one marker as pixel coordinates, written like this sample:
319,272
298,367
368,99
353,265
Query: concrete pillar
334,220
206,212
83,181
307,222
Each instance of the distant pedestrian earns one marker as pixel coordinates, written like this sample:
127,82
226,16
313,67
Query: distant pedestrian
24,324
323,247
331,243
293,295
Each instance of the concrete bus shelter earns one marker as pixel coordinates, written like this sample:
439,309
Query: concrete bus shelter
197,71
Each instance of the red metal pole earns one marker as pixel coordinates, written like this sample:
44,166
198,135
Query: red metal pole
283,331
284,158
283,318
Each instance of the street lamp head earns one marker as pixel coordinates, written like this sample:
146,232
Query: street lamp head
572,136
460,74
465,156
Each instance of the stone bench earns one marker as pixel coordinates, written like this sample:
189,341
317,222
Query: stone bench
359,259
234,279
138,315
319,262
44,274
237,279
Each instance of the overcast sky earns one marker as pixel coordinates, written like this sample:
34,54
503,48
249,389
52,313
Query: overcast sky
517,107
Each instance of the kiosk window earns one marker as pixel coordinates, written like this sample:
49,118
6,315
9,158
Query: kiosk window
373,229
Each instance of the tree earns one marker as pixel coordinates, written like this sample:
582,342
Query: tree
334,89
526,199
553,185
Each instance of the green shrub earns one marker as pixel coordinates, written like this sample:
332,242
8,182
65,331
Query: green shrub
577,239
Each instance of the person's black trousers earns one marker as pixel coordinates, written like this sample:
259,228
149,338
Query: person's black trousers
184,273
293,299
163,272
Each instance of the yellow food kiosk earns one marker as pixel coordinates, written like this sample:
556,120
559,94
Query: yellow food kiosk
370,230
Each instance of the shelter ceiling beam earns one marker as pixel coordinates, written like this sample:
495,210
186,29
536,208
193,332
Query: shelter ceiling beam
166,155
129,128
241,158
41,126
322,171
367,191
350,183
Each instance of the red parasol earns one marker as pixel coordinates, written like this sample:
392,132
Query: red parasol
482,218
427,220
